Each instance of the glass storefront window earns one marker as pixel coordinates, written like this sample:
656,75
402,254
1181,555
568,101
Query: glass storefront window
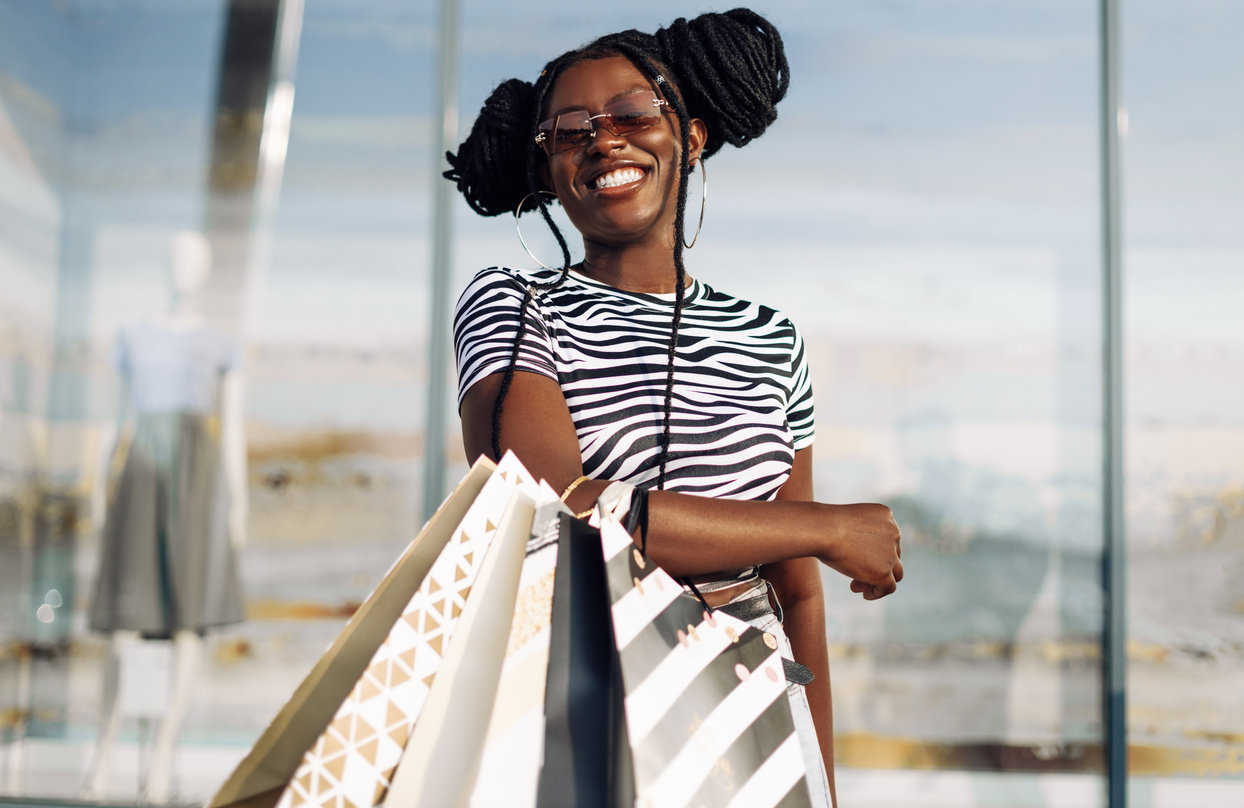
926,209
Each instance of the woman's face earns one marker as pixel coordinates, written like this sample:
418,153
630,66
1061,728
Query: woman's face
616,190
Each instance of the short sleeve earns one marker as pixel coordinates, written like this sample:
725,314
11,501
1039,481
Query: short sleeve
799,409
486,325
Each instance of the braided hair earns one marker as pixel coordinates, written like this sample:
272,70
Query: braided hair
728,69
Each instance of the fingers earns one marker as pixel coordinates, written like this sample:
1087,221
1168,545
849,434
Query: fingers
877,591
898,571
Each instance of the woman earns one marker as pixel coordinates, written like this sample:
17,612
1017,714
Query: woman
630,370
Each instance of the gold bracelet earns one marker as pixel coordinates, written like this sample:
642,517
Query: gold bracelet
585,514
570,488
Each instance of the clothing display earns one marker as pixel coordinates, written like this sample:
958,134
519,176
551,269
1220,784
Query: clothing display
742,400
166,563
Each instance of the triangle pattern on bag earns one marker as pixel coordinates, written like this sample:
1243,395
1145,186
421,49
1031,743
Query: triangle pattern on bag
351,764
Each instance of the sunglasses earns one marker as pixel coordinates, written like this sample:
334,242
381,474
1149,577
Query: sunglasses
624,117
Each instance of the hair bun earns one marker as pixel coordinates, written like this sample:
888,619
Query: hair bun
490,167
731,69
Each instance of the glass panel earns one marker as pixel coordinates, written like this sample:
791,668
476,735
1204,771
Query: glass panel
121,124
1183,290
930,200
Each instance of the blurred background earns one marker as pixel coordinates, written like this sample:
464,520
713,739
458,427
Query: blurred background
927,209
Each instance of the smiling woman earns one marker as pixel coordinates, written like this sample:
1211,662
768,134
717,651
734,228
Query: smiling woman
623,368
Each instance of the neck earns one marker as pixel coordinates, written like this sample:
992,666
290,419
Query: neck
647,268
184,314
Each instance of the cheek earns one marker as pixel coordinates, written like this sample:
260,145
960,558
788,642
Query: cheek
559,173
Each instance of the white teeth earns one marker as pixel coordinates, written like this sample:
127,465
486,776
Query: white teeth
619,177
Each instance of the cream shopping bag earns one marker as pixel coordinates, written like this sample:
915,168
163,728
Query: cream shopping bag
510,762
263,774
441,758
361,723
354,758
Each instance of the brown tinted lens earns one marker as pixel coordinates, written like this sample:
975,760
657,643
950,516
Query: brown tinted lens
632,114
573,130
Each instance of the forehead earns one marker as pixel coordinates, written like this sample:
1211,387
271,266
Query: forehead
594,82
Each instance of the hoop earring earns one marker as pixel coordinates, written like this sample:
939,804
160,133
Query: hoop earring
703,200
517,211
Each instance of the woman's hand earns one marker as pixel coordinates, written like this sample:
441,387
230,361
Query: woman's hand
867,549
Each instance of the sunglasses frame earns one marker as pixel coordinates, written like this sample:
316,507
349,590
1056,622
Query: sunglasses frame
549,144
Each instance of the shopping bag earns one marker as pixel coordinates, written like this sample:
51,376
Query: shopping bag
355,757
443,752
512,749
263,774
586,755
360,741
707,718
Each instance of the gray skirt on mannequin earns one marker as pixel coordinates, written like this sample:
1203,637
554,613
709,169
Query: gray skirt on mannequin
166,563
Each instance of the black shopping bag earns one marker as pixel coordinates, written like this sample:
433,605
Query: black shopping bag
586,754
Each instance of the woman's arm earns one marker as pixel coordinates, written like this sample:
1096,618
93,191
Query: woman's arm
688,535
798,586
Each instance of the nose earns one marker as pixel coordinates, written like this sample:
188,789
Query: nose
603,140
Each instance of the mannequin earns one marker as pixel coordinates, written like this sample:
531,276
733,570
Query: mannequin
178,518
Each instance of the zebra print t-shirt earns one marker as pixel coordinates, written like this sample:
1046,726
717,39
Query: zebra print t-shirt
742,399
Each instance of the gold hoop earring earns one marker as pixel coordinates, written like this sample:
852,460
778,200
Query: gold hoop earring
703,201
518,211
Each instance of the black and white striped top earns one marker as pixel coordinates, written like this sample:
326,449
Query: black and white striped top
742,398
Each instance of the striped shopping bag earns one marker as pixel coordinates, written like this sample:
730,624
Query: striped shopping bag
707,718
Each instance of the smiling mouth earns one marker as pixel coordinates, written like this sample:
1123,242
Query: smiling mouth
619,176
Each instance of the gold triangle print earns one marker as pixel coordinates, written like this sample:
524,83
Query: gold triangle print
460,574
302,787
368,750
394,716
427,680
408,659
332,745
436,643
333,769
434,586
363,731
370,689
491,527
400,733
503,475
376,668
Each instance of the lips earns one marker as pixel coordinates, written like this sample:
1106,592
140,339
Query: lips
616,177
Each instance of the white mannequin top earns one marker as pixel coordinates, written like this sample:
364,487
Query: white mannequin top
171,368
